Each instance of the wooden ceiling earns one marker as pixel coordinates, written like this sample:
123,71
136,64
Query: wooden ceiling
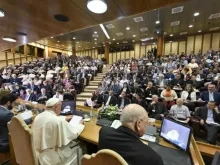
36,17
85,39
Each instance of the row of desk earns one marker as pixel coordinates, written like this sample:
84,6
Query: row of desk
91,134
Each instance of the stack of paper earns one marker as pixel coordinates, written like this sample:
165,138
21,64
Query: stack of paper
75,120
26,115
212,123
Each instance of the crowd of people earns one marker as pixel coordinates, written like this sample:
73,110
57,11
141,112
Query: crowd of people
173,86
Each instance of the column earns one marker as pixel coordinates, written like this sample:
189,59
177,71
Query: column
107,52
12,50
73,51
35,52
160,44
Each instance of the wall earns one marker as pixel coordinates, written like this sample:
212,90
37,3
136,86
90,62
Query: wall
194,43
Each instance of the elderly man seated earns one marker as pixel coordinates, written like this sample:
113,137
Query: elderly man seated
180,111
53,137
95,101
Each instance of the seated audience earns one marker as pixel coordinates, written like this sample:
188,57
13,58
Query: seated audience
123,101
140,100
43,96
116,88
177,81
169,96
110,99
126,139
150,90
193,64
180,111
6,103
53,137
207,114
210,95
59,95
161,82
29,96
189,93
195,83
156,109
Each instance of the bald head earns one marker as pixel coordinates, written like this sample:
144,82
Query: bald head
135,117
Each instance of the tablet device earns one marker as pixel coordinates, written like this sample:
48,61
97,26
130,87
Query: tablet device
176,133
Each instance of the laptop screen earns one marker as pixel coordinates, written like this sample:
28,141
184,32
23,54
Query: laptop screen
176,133
68,107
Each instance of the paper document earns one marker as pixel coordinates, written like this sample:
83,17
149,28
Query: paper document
75,120
26,115
212,123
181,121
151,120
116,124
148,138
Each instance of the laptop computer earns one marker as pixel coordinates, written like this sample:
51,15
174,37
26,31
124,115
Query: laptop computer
176,133
68,107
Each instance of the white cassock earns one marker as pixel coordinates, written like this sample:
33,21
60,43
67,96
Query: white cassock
53,139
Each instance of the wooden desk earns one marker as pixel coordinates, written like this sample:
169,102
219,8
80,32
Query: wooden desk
91,134
207,149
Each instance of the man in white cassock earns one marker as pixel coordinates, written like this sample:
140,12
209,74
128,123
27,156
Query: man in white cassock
54,137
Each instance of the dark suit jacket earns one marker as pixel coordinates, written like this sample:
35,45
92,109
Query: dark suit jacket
113,100
32,97
126,101
126,143
34,88
196,84
205,97
42,100
142,103
98,99
202,113
165,82
174,82
159,108
149,92
5,117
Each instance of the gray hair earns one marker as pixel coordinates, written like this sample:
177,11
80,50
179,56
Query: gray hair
154,96
132,113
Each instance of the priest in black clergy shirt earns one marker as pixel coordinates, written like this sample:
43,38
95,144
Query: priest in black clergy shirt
125,140
110,99
150,90
123,100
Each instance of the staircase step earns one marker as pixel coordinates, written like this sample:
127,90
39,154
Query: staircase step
91,87
85,94
96,81
80,103
81,99
89,90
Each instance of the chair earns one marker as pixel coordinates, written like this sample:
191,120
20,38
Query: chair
105,156
216,159
21,137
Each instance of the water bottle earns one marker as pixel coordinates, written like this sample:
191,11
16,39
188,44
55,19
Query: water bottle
91,112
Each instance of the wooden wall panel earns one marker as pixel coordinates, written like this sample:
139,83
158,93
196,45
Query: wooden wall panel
2,64
2,55
114,58
215,41
143,53
167,48
127,55
123,55
198,43
132,54
17,61
148,47
182,47
137,50
110,58
206,42
174,47
23,60
10,62
10,55
190,44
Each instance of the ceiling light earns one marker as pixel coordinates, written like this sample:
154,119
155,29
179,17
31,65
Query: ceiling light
117,43
134,35
62,45
77,42
95,32
79,46
151,38
58,41
127,28
51,37
196,14
170,41
133,41
97,6
190,26
158,32
103,29
103,45
171,35
154,43
113,39
200,31
95,39
157,22
2,13
9,39
95,43
74,38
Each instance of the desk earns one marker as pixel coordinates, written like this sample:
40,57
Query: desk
207,149
91,134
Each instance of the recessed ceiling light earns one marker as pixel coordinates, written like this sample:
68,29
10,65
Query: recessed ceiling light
62,45
171,35
113,39
158,32
170,41
77,42
190,26
58,41
103,45
157,22
79,46
196,14
146,34
93,47
127,28
51,37
105,32
9,39
117,43
74,38
97,6
200,31
95,43
95,32
2,13
134,35
133,41
95,39
151,38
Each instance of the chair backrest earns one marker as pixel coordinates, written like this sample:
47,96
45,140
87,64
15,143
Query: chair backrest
105,156
216,159
22,141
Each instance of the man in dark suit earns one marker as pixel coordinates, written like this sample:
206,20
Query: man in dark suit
210,95
161,82
150,90
29,96
123,101
33,87
5,117
116,88
43,96
140,101
110,99
125,140
178,81
211,114
157,109
196,84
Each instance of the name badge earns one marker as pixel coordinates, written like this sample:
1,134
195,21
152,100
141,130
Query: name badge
153,110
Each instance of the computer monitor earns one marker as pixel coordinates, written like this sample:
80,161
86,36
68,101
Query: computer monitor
68,107
176,133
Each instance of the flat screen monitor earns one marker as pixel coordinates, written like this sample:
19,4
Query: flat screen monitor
68,107
176,133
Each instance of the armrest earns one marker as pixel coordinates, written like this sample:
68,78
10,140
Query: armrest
195,125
